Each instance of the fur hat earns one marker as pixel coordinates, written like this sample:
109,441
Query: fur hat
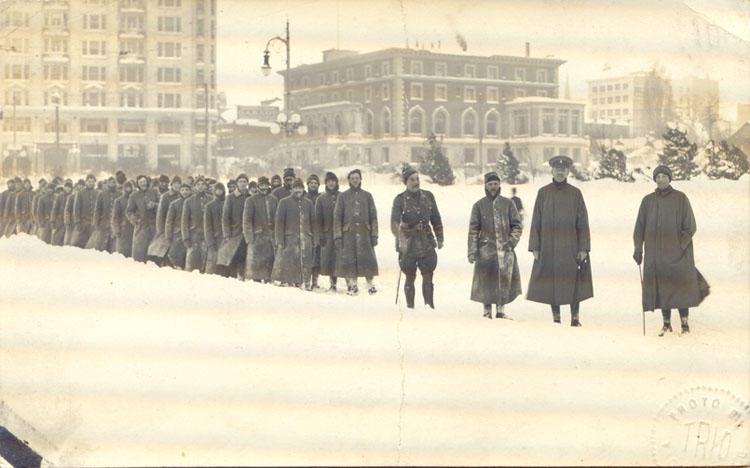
120,177
253,184
231,182
288,172
90,176
331,176
220,185
175,180
69,183
490,176
298,183
165,178
313,177
128,183
663,170
242,176
263,180
354,171
407,172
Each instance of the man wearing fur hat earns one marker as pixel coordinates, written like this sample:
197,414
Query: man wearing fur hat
122,230
102,239
665,226
212,229
285,190
323,228
172,230
58,213
418,229
294,239
163,185
560,240
258,220
159,245
494,231
141,211
192,226
233,251
355,233
83,213
275,182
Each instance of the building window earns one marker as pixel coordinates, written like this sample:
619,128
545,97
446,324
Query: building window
385,154
625,98
617,98
440,122
617,86
470,156
169,127
491,124
609,87
170,3
369,122
338,122
625,111
200,53
334,76
93,97
169,49
416,121
131,73
131,98
93,73
541,92
469,123
470,70
131,126
386,91
520,92
55,46
169,100
441,92
520,123
22,125
53,97
368,71
93,125
18,71
575,123
169,24
368,94
493,95
17,96
55,71
95,22
416,67
169,75
53,19
492,72
416,92
562,122
350,74
541,76
97,48
441,69
470,94
520,74
385,68
624,86
51,126
386,121
131,47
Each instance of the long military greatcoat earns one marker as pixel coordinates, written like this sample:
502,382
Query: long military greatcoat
294,240
559,230
323,231
231,227
57,219
212,232
258,228
23,211
143,218
102,239
9,213
666,226
494,231
313,197
83,215
122,229
68,218
43,216
3,198
160,244
192,230
177,251
355,222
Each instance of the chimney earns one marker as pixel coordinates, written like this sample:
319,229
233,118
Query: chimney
528,49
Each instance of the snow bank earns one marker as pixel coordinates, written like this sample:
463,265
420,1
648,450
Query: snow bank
116,362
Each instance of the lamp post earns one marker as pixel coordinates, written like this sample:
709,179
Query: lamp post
56,100
290,123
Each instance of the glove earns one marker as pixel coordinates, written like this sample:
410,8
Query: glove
472,258
638,257
374,240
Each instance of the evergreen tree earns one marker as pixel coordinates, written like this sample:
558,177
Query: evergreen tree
508,168
613,165
679,154
435,164
724,161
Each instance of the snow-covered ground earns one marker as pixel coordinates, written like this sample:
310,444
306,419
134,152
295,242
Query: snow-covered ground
107,362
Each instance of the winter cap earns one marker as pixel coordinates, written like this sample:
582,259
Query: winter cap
313,177
90,176
188,186
253,184
490,176
80,182
288,172
175,180
298,183
331,176
141,177
221,186
561,161
354,171
42,181
59,189
128,183
231,182
276,177
663,170
263,180
165,178
242,176
200,180
120,177
407,172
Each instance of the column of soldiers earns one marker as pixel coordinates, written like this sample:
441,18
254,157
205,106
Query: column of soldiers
277,231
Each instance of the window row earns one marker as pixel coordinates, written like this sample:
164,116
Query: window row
610,87
610,100
441,122
610,113
93,125
470,70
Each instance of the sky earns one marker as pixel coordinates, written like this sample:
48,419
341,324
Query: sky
597,38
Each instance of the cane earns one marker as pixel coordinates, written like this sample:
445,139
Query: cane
398,284
643,312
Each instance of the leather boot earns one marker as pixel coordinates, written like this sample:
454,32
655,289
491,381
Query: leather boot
409,293
488,311
427,290
556,314
574,321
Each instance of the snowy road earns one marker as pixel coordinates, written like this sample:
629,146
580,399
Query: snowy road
114,362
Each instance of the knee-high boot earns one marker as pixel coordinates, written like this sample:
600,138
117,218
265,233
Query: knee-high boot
409,290
428,289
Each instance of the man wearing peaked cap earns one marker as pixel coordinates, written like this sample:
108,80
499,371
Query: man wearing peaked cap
560,241
418,228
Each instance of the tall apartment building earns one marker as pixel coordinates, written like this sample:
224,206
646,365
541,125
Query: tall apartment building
129,77
379,107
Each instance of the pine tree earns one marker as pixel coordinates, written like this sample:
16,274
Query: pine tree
724,161
679,154
435,164
613,165
508,168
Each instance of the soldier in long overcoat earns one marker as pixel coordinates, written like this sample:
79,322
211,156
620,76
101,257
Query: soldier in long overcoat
418,228
285,190
294,239
68,212
122,229
58,213
212,229
83,213
9,210
258,228
560,240
355,233
22,208
323,228
192,227
34,201
172,229
102,239
494,231
312,193
233,251
4,197
141,212
44,213
666,226
160,245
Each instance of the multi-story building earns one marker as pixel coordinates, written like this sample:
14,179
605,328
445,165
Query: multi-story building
619,100
696,100
130,79
379,107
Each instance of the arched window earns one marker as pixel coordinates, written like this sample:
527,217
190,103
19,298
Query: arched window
386,121
416,121
491,123
338,122
469,122
440,121
369,122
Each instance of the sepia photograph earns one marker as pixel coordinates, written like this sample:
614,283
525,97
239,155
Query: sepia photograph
374,233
